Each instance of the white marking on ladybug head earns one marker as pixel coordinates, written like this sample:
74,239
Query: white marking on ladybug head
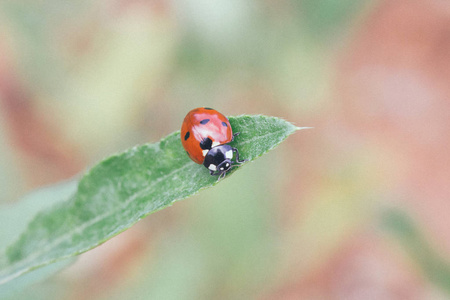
229,154
204,152
212,167
214,144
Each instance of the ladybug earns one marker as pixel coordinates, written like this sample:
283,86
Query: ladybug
204,134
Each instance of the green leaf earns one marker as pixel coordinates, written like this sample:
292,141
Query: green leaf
123,189
435,267
15,219
18,215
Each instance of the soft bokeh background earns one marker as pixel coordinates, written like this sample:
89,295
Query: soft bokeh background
356,208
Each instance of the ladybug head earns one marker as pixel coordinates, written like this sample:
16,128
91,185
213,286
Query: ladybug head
218,159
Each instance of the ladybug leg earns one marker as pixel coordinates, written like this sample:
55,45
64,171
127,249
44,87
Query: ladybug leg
221,176
217,173
237,156
214,173
234,135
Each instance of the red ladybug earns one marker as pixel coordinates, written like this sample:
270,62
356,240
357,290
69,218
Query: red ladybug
204,134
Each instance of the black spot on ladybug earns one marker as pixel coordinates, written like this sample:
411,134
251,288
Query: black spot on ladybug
208,108
206,143
204,121
224,124
186,136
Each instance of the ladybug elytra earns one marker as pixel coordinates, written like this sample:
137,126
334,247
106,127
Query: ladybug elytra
204,134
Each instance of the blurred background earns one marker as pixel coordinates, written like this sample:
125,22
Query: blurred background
356,208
